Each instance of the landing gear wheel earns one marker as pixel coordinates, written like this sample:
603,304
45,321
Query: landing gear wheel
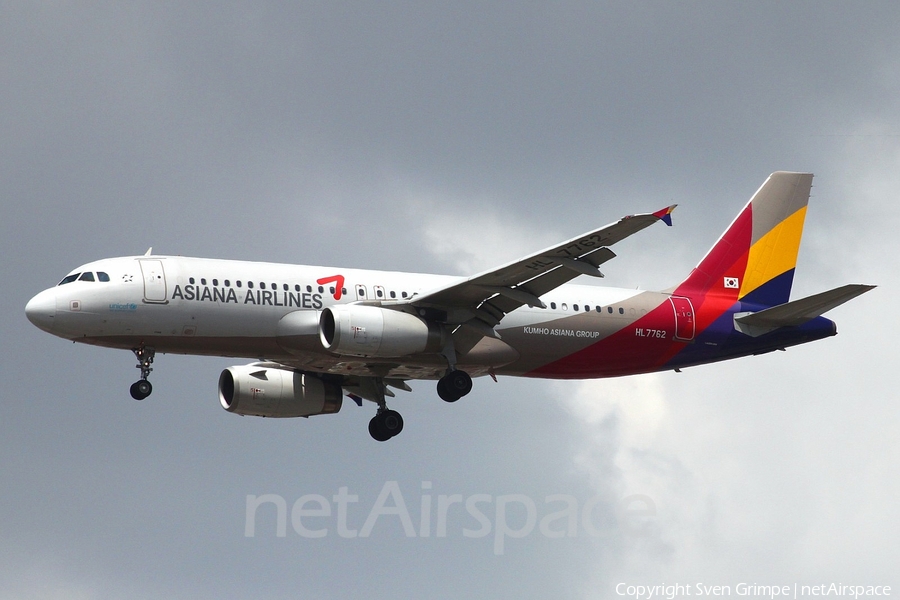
141,389
377,431
385,425
454,385
445,392
392,422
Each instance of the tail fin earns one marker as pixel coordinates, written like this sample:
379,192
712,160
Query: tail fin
754,260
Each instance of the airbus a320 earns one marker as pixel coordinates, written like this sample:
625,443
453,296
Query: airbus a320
322,333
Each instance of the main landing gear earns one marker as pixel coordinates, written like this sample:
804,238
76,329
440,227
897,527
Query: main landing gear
387,423
454,385
141,388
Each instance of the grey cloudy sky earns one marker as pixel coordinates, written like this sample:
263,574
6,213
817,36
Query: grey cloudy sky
446,138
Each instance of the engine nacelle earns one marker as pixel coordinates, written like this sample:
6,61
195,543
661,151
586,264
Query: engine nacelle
267,392
371,331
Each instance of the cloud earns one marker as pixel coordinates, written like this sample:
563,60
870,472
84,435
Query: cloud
471,235
447,139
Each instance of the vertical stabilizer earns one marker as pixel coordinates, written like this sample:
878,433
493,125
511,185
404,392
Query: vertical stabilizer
754,260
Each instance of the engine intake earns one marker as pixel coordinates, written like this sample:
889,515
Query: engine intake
267,392
371,331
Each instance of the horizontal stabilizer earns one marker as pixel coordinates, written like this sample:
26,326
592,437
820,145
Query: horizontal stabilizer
798,312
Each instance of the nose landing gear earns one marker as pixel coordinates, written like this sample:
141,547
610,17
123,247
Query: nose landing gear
141,388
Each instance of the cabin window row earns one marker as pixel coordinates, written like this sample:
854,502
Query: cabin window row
262,285
587,308
379,291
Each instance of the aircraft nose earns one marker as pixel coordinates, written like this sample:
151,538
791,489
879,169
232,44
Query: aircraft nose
41,310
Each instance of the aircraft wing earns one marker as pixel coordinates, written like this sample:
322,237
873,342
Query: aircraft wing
481,301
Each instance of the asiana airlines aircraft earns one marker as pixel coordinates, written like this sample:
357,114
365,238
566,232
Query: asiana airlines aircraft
322,333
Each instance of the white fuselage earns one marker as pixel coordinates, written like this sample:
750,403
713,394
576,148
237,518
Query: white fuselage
271,311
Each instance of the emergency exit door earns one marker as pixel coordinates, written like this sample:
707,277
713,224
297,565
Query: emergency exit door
684,318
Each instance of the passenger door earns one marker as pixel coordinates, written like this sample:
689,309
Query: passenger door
155,291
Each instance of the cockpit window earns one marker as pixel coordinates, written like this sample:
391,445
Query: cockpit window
86,276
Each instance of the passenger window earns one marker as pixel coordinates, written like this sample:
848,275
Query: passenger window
101,276
621,311
403,294
599,309
86,277
227,283
238,283
250,285
191,281
297,288
216,282
553,305
393,294
609,309
203,281
565,306
574,307
587,308
309,288
69,279
321,290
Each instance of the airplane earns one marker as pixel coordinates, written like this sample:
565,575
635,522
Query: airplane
320,333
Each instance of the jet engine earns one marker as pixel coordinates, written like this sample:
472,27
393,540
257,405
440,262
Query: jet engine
261,391
374,332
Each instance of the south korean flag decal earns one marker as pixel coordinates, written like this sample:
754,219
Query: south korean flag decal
732,282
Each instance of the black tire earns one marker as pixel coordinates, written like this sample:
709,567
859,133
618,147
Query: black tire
391,422
377,430
459,382
141,389
454,385
444,391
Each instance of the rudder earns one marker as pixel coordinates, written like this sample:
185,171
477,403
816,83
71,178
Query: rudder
755,258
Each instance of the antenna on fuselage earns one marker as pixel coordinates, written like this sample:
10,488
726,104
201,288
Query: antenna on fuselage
149,251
